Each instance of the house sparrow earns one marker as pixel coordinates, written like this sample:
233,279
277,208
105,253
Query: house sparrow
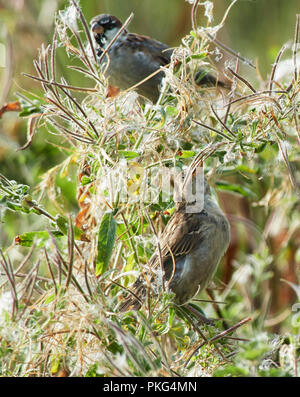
191,246
133,57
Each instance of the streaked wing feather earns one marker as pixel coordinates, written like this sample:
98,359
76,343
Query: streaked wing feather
151,48
182,234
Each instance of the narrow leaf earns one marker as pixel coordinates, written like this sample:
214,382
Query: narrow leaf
242,190
27,239
106,240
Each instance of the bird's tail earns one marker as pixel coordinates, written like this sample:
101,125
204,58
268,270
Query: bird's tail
206,79
135,301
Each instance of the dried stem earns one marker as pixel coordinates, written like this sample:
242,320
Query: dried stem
221,122
241,79
212,129
70,252
230,51
86,29
232,90
271,80
296,40
219,336
51,271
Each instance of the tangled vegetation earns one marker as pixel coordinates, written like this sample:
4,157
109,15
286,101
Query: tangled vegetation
59,304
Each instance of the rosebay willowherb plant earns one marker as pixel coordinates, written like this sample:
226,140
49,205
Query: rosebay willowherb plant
63,318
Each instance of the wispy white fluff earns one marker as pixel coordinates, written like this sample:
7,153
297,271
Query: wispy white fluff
69,17
5,304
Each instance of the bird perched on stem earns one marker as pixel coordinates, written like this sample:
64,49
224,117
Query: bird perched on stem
132,58
190,248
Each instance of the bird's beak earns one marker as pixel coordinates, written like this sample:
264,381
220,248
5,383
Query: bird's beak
97,29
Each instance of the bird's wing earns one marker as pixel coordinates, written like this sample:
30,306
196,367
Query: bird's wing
153,49
183,233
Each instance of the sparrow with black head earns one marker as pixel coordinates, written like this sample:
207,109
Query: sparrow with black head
133,57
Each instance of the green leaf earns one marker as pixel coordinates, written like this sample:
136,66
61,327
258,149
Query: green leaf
245,169
12,205
274,372
160,116
49,299
255,353
199,56
106,240
62,224
27,239
128,154
55,363
93,371
261,147
171,111
185,154
85,180
230,187
29,108
230,370
171,316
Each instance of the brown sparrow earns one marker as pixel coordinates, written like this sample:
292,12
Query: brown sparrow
133,57
191,247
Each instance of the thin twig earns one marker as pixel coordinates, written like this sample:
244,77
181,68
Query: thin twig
216,307
274,68
62,108
23,263
72,134
296,39
84,71
241,79
288,166
10,275
288,89
193,14
32,282
216,337
158,248
221,122
233,85
230,51
250,96
59,259
86,29
85,58
50,271
86,279
154,338
69,87
80,109
53,64
295,116
70,252
28,290
124,337
209,301
130,239
212,129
